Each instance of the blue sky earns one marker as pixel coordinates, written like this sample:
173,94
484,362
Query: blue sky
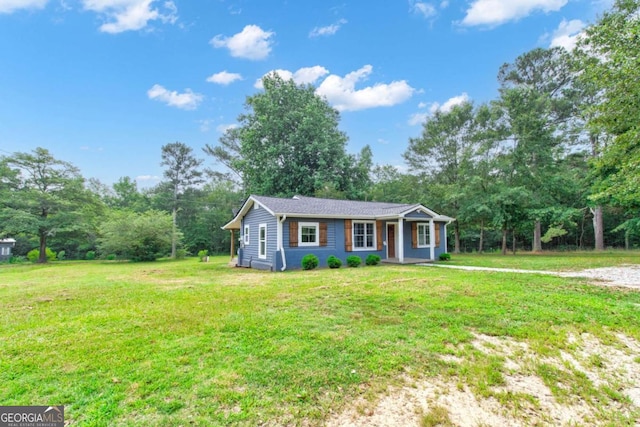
104,84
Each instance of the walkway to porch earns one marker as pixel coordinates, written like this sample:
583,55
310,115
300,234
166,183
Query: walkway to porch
406,261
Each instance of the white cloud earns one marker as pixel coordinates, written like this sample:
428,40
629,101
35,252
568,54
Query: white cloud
421,117
449,103
251,43
10,6
421,8
305,75
148,178
131,15
496,12
222,128
185,101
329,30
224,78
341,91
567,34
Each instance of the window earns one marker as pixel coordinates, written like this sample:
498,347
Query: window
308,234
4,251
364,235
262,241
423,236
246,234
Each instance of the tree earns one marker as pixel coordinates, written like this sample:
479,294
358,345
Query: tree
137,236
287,143
42,196
182,173
609,55
445,152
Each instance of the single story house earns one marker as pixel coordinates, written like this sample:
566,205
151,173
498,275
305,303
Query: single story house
5,248
275,233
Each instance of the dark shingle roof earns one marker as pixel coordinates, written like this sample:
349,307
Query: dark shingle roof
313,206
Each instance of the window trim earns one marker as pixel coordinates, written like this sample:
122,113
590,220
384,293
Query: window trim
260,241
246,234
427,234
315,225
373,246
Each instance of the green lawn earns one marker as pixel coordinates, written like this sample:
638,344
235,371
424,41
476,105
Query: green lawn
554,261
189,343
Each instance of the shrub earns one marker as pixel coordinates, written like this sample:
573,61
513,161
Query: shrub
34,254
181,253
17,259
372,259
445,256
91,255
111,257
60,255
309,262
354,261
334,262
203,253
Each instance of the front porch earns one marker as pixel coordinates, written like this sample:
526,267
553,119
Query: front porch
406,261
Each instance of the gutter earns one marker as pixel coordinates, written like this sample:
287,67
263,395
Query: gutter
284,258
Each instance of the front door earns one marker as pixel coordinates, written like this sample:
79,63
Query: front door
391,240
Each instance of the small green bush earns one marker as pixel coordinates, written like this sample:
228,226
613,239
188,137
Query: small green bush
309,262
111,257
354,261
372,259
60,255
91,255
181,253
203,253
445,256
34,254
18,259
334,262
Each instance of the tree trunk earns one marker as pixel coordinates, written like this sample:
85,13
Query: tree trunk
504,241
598,228
456,238
480,245
626,239
513,241
173,237
537,237
42,258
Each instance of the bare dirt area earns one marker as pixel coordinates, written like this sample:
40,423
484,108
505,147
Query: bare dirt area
534,391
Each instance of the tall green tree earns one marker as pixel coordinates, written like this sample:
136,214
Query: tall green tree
445,152
182,173
610,61
287,143
42,196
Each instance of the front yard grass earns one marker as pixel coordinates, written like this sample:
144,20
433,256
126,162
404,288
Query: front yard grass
183,342
546,260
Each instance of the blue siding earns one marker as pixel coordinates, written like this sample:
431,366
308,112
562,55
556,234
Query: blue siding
6,246
443,238
254,218
409,251
335,244
417,214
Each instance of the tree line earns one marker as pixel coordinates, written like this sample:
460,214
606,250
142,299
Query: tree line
552,162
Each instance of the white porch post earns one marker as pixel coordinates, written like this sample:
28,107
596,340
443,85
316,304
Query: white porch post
445,237
432,239
400,240
278,234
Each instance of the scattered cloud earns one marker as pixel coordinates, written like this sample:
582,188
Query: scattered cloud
427,10
222,128
10,6
251,43
567,34
131,15
342,94
205,125
497,12
224,78
188,100
329,30
382,141
420,117
444,4
449,103
148,178
305,75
